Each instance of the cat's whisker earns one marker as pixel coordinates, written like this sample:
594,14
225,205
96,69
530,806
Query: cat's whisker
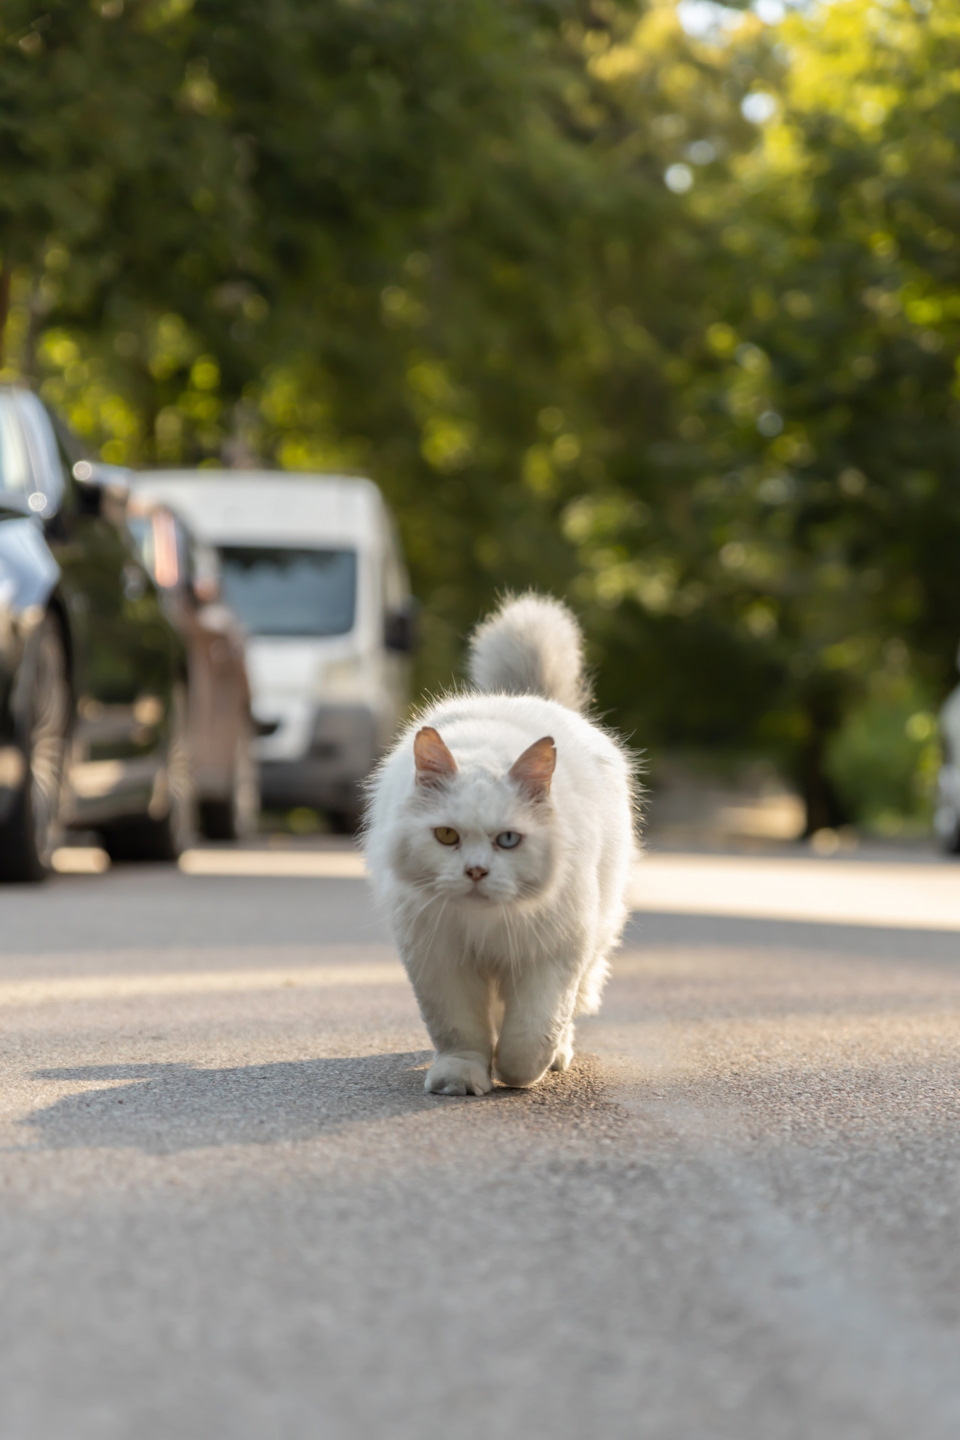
531,920
508,937
513,952
438,922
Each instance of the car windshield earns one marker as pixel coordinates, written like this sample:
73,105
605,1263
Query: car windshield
283,590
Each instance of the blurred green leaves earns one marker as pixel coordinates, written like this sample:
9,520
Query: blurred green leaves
667,323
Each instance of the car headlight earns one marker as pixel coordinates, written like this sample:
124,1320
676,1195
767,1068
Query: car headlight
340,678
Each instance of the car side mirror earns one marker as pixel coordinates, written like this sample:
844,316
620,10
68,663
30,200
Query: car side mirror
205,580
102,490
400,628
205,590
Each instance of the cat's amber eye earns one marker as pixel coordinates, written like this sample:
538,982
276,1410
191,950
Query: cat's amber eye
508,840
447,835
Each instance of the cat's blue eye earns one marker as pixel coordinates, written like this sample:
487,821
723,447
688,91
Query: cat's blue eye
508,840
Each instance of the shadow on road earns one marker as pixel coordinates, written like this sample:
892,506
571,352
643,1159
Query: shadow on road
170,1107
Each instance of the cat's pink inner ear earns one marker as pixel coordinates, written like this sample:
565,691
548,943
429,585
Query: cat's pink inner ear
432,758
534,769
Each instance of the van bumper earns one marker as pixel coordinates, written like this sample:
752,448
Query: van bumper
341,754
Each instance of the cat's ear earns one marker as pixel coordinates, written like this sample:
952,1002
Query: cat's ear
534,769
433,760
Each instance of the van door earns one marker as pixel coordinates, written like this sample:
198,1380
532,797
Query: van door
398,627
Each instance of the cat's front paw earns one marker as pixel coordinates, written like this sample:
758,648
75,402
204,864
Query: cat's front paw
521,1068
456,1075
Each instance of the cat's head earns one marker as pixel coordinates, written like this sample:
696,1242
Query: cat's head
475,835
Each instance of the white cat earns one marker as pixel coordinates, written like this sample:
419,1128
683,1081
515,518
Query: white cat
500,832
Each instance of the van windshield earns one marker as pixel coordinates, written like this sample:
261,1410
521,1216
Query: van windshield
283,590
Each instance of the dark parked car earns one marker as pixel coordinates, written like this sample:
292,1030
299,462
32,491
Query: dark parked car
225,773
947,814
93,675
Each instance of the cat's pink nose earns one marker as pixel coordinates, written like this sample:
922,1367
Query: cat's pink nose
476,872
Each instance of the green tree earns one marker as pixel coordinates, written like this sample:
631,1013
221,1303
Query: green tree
834,377
531,267
808,565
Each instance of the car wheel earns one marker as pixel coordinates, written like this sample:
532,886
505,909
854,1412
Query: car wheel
345,821
950,838
237,817
29,834
946,819
166,836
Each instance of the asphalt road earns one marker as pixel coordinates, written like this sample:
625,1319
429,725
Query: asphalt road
228,1209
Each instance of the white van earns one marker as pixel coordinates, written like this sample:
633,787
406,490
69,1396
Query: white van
312,566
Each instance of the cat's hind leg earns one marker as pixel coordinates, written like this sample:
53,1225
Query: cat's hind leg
589,994
592,981
564,1054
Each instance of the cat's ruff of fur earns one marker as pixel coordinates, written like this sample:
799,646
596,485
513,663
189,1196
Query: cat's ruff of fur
505,946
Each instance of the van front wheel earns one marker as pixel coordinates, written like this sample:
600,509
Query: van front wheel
345,821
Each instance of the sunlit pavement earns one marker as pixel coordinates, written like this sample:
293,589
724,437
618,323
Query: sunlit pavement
228,1209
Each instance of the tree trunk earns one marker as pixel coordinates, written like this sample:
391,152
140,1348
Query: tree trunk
825,806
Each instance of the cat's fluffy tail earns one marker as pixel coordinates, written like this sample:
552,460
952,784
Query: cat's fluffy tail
531,645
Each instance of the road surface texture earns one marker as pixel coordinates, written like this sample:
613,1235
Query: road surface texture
229,1210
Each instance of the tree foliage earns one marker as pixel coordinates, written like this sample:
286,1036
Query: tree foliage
534,266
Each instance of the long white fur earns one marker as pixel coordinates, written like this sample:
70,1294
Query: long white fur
502,966
530,646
